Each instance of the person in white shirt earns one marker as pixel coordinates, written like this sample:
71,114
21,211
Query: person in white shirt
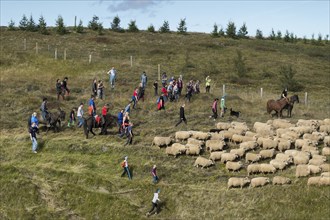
113,74
80,114
155,201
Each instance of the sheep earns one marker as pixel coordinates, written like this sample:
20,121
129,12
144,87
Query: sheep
300,160
312,123
316,161
326,151
313,137
237,131
234,166
261,140
291,152
240,152
280,180
253,168
284,145
201,135
251,134
315,180
193,149
281,123
284,157
251,157
249,145
325,167
263,129
269,144
314,169
301,130
321,135
176,149
324,181
259,181
302,170
195,142
215,145
203,162
237,138
227,135
279,165
182,135
216,155
162,141
281,131
267,153
308,148
266,168
223,125
290,135
216,136
238,182
240,125
301,142
325,129
321,157
325,174
326,121
228,157
326,141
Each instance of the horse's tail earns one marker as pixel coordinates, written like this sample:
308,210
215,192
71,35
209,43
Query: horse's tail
268,107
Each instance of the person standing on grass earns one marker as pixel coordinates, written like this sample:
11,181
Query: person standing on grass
215,109
72,118
94,87
164,79
105,109
112,76
144,79
34,120
129,134
161,103
207,84
182,116
33,136
80,114
44,109
222,106
135,97
155,85
100,88
124,165
59,89
120,120
127,108
91,106
154,174
154,201
65,86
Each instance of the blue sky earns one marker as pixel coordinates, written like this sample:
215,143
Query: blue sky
303,18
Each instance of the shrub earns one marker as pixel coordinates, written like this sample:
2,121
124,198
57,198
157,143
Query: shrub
287,79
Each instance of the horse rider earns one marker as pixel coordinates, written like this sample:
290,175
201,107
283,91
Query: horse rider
284,93
104,113
44,110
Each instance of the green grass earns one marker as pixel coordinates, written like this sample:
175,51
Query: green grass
75,178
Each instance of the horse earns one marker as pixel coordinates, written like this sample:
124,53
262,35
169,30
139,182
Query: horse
52,119
289,106
90,123
277,106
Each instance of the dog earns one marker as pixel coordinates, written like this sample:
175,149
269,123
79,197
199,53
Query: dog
215,130
234,113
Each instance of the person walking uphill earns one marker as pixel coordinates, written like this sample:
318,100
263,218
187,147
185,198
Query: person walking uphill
33,136
207,84
155,201
222,106
144,79
124,165
112,76
44,110
215,109
154,174
182,116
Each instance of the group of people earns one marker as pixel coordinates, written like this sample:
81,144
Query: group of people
62,88
98,89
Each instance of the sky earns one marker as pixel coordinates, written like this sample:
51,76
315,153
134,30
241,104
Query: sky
303,18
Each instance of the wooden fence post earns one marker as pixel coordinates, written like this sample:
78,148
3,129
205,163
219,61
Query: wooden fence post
55,53
306,96
65,54
36,47
158,72
223,89
261,92
131,61
24,43
90,58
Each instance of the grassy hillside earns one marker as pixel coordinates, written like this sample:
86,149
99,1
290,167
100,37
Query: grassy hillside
75,178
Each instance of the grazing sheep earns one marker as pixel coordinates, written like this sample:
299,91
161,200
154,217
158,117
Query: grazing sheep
261,140
216,136
238,182
263,129
251,134
266,168
193,149
253,168
291,152
228,157
299,143
182,135
215,145
240,152
281,123
249,145
259,181
313,137
269,144
325,167
251,157
281,131
284,157
315,180
237,138
227,135
195,142
267,153
309,148
223,125
176,149
314,124
280,165
216,155
326,151
203,162
234,166
325,129
325,181
326,141
325,174
321,157
314,169
237,131
290,135
162,141
280,180
201,135
301,130
240,125
284,145
316,161
302,170
300,160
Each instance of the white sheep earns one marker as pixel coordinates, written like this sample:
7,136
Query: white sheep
263,129
325,174
236,124
251,157
302,170
326,121
325,129
192,149
216,155
176,149
281,180
240,152
237,138
228,157
215,145
249,145
284,157
312,123
223,125
259,181
251,134
321,157
291,152
325,167
182,135
234,166
216,136
162,141
195,142
227,135
290,135
281,131
301,130
203,162
237,131
269,144
314,169
280,165
326,141
326,151
261,140
201,135
301,142
316,161
267,153
321,135
238,182
266,168
314,180
284,145
313,137
300,160
253,168
281,123
325,181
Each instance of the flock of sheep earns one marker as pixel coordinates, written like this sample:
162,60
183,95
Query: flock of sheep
279,141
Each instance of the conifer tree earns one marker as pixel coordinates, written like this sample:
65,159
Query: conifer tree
132,27
239,65
304,40
11,25
165,28
231,30
182,29
221,32
115,24
259,34
286,37
242,32
272,35
319,39
313,39
80,27
31,25
42,26
215,32
23,23
60,28
94,23
151,28
279,35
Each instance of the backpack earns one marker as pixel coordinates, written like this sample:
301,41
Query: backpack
122,164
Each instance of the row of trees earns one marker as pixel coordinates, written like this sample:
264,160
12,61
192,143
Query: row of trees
95,25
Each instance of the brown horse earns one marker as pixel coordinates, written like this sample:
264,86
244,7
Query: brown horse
277,106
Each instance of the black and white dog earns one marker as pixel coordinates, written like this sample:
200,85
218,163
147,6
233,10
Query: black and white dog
234,113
